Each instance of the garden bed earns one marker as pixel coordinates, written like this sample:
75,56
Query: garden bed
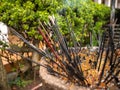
51,82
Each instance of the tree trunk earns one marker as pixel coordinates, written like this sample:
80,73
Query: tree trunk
90,35
35,55
3,77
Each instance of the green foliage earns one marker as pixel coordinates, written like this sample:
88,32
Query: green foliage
3,45
20,82
24,15
82,16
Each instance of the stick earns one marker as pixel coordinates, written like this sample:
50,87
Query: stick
41,52
101,75
100,54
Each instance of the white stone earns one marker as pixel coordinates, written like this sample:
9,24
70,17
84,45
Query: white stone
4,33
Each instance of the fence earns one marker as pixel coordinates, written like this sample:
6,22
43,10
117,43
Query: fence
116,35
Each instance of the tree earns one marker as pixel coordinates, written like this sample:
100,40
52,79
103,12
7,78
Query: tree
25,15
3,77
84,16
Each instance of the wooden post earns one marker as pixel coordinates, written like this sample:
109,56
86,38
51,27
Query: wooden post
112,16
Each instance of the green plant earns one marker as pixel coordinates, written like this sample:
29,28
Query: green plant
82,16
3,45
25,15
20,82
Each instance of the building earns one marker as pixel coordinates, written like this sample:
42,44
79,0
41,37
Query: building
108,2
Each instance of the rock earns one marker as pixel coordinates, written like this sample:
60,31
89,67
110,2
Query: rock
12,76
